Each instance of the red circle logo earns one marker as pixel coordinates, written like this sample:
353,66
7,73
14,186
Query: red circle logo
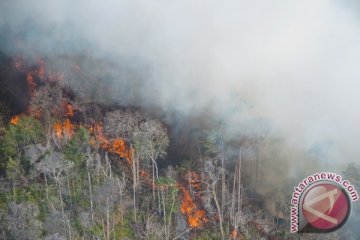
326,207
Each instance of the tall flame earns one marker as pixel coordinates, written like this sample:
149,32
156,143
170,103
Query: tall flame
58,130
195,218
65,129
117,146
68,128
120,148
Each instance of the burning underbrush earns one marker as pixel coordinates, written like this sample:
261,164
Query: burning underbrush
129,141
50,102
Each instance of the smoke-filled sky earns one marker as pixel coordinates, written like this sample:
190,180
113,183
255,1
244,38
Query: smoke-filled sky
289,65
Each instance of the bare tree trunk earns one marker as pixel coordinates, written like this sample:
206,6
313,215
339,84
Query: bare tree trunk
156,167
201,162
107,220
91,198
103,223
69,189
233,197
61,201
48,136
170,214
46,187
65,219
137,171
153,181
69,228
219,212
257,166
164,209
223,186
134,187
108,167
239,184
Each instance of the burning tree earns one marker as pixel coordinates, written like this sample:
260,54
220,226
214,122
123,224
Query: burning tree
147,136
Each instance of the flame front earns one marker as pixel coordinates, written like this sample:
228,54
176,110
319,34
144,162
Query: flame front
15,120
117,146
65,129
120,148
195,217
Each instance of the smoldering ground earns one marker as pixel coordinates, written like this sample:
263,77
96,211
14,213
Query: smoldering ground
283,71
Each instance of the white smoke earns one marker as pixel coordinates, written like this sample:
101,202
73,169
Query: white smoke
293,64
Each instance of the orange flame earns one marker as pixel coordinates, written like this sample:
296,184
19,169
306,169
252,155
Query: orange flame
31,83
58,130
195,217
99,134
120,148
15,120
65,129
68,128
117,146
194,179
233,234
69,109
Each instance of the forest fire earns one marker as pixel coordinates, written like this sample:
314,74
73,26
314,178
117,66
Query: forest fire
30,76
120,148
58,129
65,129
194,179
195,218
31,83
117,146
69,109
233,234
15,120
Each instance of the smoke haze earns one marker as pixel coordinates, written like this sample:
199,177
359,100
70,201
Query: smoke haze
285,69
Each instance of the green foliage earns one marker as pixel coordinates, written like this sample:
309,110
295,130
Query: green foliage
80,198
168,189
27,131
168,184
124,230
3,200
14,170
97,230
74,149
165,181
186,165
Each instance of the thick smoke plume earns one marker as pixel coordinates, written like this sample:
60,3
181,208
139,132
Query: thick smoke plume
279,69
